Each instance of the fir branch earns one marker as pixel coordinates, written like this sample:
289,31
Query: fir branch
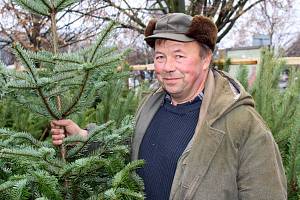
54,79
131,194
68,59
106,62
33,7
100,40
47,184
41,58
62,4
93,133
46,3
20,190
12,73
57,91
88,95
67,67
25,137
74,139
5,132
22,55
21,84
29,152
124,173
139,181
77,98
106,52
34,107
120,148
83,166
11,184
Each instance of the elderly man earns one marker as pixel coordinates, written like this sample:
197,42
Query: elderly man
199,134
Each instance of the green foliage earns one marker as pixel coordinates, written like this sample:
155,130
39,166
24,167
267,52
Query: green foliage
113,103
57,86
224,66
58,90
44,7
16,117
242,76
95,166
281,111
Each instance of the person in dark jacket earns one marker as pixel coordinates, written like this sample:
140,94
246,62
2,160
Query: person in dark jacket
199,133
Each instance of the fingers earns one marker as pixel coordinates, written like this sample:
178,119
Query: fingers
62,122
57,139
58,134
64,127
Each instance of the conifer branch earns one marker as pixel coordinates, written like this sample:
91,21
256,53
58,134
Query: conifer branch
77,98
31,70
10,184
103,37
46,103
108,62
46,3
67,60
26,137
30,6
92,134
27,154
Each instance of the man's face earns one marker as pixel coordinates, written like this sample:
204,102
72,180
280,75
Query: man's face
180,69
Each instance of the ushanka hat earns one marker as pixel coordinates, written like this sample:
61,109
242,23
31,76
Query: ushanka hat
183,28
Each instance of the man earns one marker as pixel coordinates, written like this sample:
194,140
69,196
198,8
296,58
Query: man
199,134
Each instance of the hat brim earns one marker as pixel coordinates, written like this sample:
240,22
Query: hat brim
170,36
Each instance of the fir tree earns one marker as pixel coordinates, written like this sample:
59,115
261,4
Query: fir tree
64,84
243,76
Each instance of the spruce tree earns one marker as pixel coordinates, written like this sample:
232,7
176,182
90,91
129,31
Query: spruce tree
56,85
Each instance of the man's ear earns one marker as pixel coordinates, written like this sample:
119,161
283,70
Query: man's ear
207,61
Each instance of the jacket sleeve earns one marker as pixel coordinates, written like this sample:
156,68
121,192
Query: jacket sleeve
260,172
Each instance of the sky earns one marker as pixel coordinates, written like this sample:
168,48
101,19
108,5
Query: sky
290,31
230,39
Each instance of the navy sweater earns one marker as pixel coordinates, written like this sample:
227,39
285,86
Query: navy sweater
167,136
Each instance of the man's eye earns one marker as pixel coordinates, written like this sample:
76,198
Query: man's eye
179,56
159,57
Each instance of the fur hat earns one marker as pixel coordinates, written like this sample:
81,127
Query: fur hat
182,27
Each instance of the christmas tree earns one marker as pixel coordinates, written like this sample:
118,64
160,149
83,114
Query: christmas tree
56,85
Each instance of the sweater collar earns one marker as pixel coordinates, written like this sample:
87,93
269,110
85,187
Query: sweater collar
199,97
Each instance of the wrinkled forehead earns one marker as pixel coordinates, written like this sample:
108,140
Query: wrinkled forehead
171,45
164,42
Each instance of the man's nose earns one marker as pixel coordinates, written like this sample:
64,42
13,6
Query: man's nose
169,65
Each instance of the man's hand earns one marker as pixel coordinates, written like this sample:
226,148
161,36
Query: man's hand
65,127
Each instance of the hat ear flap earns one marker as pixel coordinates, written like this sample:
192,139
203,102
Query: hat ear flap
204,31
150,27
149,31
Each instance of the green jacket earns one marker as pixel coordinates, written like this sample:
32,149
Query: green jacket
232,155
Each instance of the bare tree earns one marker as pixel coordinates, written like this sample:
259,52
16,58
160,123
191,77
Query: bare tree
225,13
273,18
78,23
85,18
